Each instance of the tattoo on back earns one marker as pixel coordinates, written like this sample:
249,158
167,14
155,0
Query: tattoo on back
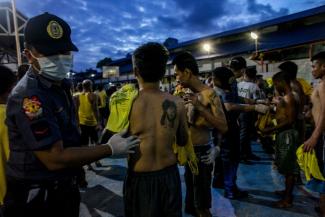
169,113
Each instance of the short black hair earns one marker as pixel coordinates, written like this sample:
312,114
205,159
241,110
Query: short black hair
237,63
281,76
259,76
151,61
7,79
87,84
186,60
319,56
251,72
289,67
224,75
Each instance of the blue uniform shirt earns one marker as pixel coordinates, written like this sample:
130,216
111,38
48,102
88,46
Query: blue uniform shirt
232,97
39,114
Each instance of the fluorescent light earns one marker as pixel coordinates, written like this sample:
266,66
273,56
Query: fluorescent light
254,35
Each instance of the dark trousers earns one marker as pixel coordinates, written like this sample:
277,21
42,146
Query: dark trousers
106,135
198,187
88,132
51,199
230,155
246,120
103,115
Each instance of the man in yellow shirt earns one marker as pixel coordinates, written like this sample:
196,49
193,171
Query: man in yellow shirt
7,81
87,107
102,107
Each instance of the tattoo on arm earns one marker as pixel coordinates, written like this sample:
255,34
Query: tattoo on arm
169,113
216,104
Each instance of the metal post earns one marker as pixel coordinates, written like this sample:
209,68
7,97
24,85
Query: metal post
16,32
256,46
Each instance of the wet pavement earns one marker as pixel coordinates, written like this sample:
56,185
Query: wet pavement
104,195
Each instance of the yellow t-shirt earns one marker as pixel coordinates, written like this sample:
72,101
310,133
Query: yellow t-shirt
308,89
4,151
120,106
86,112
102,98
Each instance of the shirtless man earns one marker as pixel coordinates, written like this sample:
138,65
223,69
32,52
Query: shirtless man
291,69
317,139
287,137
209,115
153,187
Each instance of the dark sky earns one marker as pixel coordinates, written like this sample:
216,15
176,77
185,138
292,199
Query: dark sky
112,28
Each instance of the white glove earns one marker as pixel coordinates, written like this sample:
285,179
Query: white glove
262,108
121,145
261,101
212,153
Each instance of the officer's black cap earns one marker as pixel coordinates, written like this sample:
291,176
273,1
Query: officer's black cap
49,34
224,75
237,63
320,55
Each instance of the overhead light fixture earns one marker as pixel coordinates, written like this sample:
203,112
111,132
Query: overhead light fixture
254,35
207,47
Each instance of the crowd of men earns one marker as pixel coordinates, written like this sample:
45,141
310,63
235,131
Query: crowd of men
46,129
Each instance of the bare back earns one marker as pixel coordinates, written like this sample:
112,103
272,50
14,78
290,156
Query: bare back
158,119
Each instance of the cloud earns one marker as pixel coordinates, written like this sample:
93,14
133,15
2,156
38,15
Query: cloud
114,28
265,11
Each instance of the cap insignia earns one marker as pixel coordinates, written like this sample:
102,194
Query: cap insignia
54,29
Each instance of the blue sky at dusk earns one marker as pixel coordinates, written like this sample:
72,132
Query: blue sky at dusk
112,28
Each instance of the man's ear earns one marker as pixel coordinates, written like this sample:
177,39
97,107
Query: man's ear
29,57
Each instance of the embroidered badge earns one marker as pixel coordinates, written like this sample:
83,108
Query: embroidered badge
54,29
32,107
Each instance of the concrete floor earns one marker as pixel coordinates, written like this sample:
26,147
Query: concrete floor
104,197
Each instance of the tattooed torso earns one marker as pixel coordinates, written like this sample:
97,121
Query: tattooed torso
158,119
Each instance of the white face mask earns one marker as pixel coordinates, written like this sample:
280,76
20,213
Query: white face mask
55,67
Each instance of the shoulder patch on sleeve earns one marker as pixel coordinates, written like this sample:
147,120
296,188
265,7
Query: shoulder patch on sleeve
32,107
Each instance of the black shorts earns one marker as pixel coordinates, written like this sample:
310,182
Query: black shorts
51,199
88,132
198,187
103,113
153,194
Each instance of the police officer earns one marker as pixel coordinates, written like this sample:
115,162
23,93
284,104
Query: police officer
44,138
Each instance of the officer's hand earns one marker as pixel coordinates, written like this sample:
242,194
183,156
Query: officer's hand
261,101
212,153
121,145
262,108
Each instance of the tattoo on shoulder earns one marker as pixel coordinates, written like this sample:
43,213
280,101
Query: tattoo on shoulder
169,113
214,98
